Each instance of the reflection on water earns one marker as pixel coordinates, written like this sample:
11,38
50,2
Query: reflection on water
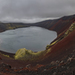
33,38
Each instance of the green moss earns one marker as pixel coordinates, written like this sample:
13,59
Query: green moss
13,26
24,54
53,43
5,55
48,46
71,28
48,50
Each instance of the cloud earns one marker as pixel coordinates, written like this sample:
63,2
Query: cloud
34,10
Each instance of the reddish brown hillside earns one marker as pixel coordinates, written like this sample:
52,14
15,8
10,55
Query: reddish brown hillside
58,25
63,48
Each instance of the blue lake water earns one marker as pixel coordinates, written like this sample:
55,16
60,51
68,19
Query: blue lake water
32,38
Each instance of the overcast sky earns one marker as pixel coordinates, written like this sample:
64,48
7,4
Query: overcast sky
34,10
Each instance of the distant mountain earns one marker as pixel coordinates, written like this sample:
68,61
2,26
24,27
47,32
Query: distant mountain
9,26
57,25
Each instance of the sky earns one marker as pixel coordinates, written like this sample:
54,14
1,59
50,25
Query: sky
30,11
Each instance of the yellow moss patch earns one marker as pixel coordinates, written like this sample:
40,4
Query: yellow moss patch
54,43
48,50
71,28
24,54
5,55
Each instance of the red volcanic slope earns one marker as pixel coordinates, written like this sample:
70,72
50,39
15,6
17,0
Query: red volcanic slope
61,49
61,25
58,25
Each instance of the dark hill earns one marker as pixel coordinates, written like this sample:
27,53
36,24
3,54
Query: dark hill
58,25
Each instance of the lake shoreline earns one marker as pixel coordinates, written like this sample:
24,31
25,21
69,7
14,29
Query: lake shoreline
32,38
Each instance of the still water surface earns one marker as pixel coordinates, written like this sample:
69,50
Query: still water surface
32,38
